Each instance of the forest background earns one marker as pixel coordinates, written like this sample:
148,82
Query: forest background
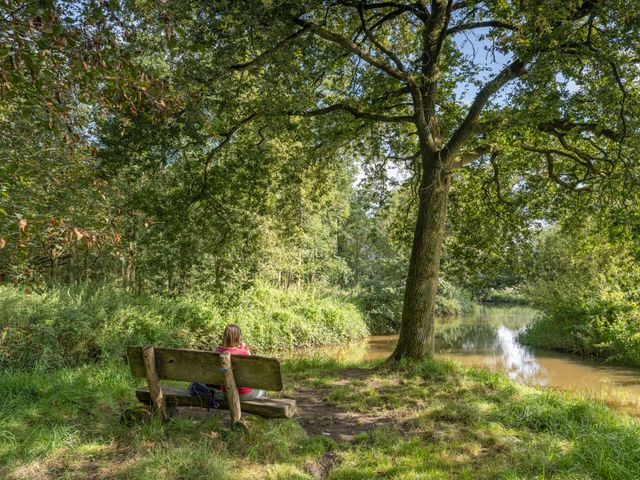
144,174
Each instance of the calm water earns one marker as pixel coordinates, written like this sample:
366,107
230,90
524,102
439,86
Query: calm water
487,339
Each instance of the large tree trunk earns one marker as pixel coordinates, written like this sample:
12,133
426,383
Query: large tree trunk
417,329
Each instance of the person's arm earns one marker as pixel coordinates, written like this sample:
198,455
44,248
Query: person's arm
246,347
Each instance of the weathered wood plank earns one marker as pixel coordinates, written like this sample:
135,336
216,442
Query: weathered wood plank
250,371
266,407
231,392
153,381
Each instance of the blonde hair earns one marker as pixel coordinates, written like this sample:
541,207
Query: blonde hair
231,336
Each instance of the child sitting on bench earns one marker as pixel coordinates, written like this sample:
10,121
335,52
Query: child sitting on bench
232,343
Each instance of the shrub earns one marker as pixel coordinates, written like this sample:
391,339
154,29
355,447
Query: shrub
588,290
71,326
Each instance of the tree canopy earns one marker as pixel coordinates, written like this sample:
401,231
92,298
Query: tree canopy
178,143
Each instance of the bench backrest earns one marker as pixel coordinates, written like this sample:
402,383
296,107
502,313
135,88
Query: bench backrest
249,371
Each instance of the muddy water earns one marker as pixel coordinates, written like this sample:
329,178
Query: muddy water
487,339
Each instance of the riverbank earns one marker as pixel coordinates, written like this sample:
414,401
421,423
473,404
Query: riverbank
430,420
68,327
487,338
504,297
613,339
586,285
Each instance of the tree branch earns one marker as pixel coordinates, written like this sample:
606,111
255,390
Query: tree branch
565,126
459,5
548,154
496,178
387,17
466,128
394,58
398,92
354,48
356,113
266,54
468,157
474,25
227,138
574,154
403,7
554,151
554,176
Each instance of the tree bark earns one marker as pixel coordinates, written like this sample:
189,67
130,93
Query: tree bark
417,329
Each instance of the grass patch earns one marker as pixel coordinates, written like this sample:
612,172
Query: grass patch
448,422
64,327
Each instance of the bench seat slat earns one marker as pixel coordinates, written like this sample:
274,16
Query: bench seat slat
266,407
249,371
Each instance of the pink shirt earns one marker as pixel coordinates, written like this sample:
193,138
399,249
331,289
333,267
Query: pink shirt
242,350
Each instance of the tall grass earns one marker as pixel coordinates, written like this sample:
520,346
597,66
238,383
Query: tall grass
71,326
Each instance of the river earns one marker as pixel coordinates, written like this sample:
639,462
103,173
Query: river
486,338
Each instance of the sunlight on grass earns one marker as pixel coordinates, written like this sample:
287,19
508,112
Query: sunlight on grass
448,421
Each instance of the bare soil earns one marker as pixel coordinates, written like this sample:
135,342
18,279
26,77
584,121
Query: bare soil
318,417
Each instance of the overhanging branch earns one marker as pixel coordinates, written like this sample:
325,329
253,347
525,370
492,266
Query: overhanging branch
551,170
468,157
226,139
268,53
356,113
414,8
566,126
474,25
496,178
356,49
466,128
394,58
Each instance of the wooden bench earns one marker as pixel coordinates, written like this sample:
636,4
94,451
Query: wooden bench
157,364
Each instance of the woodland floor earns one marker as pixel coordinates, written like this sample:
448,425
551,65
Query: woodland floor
433,420
318,416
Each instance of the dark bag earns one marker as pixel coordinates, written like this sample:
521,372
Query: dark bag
205,394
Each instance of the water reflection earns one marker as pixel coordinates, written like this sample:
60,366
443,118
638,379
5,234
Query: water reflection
487,338
518,361
491,335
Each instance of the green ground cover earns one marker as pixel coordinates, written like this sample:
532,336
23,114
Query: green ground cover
66,327
437,420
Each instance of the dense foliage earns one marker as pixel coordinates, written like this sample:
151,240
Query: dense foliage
587,286
315,171
179,148
70,327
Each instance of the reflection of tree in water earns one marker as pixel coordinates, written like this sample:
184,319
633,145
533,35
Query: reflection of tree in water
476,338
496,342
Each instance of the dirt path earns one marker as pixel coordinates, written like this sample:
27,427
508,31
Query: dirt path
319,417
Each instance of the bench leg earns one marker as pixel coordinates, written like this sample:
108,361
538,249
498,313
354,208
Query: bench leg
230,386
154,382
